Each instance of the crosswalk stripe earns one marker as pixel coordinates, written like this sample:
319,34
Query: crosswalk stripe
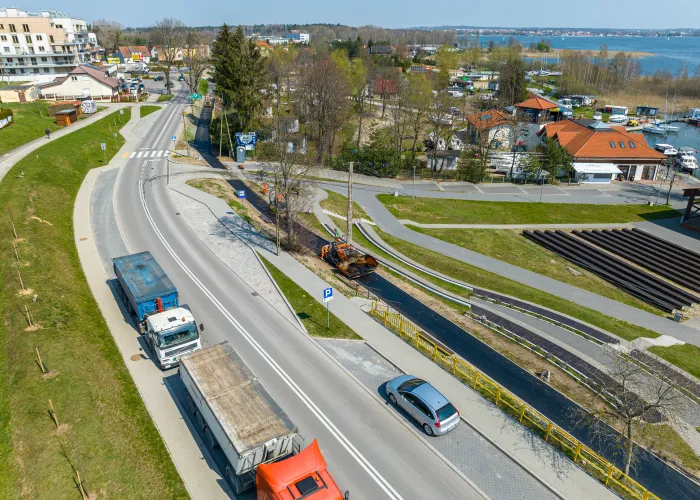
132,154
139,154
153,153
167,153
160,153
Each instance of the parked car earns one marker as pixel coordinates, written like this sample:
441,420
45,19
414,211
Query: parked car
435,414
158,78
180,78
141,86
172,84
598,116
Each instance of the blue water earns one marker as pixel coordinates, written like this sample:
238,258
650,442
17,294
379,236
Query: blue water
668,54
688,135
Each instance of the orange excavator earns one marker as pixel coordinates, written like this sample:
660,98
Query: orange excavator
348,260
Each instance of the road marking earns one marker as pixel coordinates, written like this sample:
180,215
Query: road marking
327,423
164,127
153,154
132,154
139,155
160,153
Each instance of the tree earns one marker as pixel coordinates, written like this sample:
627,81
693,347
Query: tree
358,88
195,56
635,396
109,33
556,159
420,101
168,36
511,82
470,167
447,60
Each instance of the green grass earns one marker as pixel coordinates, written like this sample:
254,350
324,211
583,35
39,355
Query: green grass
480,278
662,438
442,211
203,87
147,110
685,356
339,204
106,423
309,310
511,247
30,121
165,97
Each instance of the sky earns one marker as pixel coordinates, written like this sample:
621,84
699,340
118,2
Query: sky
642,14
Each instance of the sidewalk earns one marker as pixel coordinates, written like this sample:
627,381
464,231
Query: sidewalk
189,454
540,464
9,159
408,222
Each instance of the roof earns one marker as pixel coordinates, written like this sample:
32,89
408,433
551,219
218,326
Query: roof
285,477
488,119
430,395
244,409
94,72
142,50
66,111
596,168
21,86
537,103
172,319
589,139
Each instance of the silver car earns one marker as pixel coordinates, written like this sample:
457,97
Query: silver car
424,403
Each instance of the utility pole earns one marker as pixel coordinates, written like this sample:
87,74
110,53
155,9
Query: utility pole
184,125
348,233
221,130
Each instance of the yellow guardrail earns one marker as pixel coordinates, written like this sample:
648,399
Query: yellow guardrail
596,465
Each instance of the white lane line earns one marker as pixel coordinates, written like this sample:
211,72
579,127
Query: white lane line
328,424
160,153
139,154
165,125
132,154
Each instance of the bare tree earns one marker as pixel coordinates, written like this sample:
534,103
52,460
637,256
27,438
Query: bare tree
168,37
635,396
109,33
195,55
420,101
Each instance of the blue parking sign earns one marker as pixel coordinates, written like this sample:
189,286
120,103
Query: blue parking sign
241,194
327,294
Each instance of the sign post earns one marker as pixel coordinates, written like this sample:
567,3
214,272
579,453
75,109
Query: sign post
327,297
115,140
167,159
103,147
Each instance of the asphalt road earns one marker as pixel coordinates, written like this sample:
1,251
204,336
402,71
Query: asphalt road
368,450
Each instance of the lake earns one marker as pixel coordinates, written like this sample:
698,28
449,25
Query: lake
688,135
669,54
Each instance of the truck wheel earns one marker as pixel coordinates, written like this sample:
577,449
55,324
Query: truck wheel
392,398
209,436
190,404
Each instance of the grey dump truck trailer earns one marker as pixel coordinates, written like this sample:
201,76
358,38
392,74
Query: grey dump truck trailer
235,413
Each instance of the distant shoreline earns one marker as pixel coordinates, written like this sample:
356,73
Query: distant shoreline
592,53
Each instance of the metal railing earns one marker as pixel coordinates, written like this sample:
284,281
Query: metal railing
594,464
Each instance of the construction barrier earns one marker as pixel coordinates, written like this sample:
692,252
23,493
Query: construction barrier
589,460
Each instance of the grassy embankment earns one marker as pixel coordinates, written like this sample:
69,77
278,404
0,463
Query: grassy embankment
103,425
221,189
510,246
165,97
30,122
686,357
338,204
147,110
309,310
434,211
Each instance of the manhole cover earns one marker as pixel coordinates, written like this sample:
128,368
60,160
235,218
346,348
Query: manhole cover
135,357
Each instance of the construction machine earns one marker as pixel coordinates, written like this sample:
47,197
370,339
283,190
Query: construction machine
348,260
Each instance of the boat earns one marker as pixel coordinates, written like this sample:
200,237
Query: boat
687,162
687,150
669,128
650,128
666,149
617,119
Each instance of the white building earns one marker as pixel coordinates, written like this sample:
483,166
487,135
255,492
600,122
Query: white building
39,47
83,81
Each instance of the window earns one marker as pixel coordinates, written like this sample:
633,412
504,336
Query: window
612,144
632,145
39,38
12,28
59,26
42,49
25,28
74,78
43,59
9,59
7,49
35,70
622,144
3,38
28,39
2,26
51,38
47,70
602,176
15,39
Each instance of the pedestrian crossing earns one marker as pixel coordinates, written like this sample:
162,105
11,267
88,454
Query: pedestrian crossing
156,153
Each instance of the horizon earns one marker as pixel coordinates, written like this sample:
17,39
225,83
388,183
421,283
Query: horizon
408,14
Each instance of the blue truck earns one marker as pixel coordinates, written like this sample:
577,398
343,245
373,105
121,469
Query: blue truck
149,295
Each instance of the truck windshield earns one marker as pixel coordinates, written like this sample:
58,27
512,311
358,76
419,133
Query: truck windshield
171,338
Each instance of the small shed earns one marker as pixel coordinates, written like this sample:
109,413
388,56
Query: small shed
595,173
647,111
26,92
66,117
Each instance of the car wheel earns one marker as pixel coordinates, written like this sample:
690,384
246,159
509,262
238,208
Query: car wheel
428,430
392,398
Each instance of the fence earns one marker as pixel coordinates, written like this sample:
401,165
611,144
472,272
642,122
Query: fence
590,461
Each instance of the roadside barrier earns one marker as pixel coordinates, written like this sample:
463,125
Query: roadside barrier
594,464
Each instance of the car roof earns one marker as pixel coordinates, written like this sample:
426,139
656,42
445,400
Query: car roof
430,395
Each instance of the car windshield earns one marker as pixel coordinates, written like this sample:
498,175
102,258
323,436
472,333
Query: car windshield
171,338
411,384
446,411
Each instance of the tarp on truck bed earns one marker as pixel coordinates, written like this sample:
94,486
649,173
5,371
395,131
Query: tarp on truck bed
244,409
144,276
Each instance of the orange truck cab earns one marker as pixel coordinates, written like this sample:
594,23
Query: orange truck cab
301,476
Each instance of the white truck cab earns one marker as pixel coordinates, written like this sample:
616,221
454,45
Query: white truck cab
172,334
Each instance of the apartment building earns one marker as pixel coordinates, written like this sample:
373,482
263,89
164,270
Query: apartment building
40,47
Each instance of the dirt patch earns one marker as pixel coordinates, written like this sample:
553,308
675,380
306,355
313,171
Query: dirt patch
51,374
25,292
38,219
135,357
62,429
33,328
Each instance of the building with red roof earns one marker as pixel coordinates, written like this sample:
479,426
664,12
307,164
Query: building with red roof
593,144
535,109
